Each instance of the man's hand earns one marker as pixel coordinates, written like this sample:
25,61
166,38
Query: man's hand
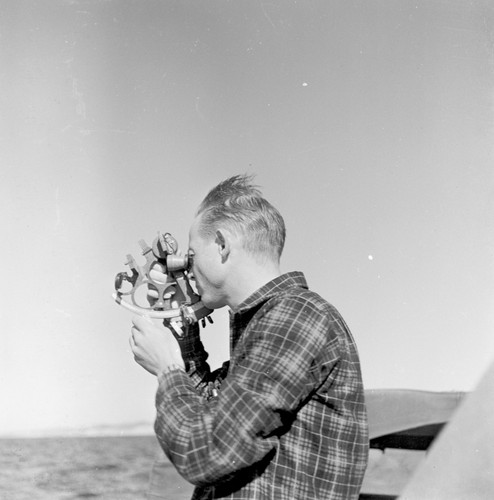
153,345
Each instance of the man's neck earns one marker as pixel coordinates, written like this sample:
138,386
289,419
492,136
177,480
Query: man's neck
248,279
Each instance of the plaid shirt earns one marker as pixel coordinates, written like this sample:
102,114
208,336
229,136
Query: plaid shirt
285,419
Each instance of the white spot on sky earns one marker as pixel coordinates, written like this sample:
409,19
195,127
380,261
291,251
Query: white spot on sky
63,313
370,257
305,84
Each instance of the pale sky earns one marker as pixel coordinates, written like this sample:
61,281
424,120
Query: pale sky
369,124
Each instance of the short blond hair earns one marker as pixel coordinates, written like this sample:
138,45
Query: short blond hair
239,205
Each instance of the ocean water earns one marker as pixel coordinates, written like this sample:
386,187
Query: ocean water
118,468
103,468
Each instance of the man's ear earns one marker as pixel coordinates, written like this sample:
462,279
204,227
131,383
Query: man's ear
222,241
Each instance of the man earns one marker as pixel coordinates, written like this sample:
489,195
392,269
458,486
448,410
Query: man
283,419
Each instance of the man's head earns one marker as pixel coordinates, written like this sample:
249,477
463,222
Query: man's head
236,241
238,205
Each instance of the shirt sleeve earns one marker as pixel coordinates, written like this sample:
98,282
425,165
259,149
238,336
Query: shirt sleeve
274,373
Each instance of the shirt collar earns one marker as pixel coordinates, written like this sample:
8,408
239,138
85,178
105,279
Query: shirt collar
273,287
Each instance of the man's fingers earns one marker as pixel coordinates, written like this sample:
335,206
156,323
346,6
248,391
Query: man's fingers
141,322
132,341
158,276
